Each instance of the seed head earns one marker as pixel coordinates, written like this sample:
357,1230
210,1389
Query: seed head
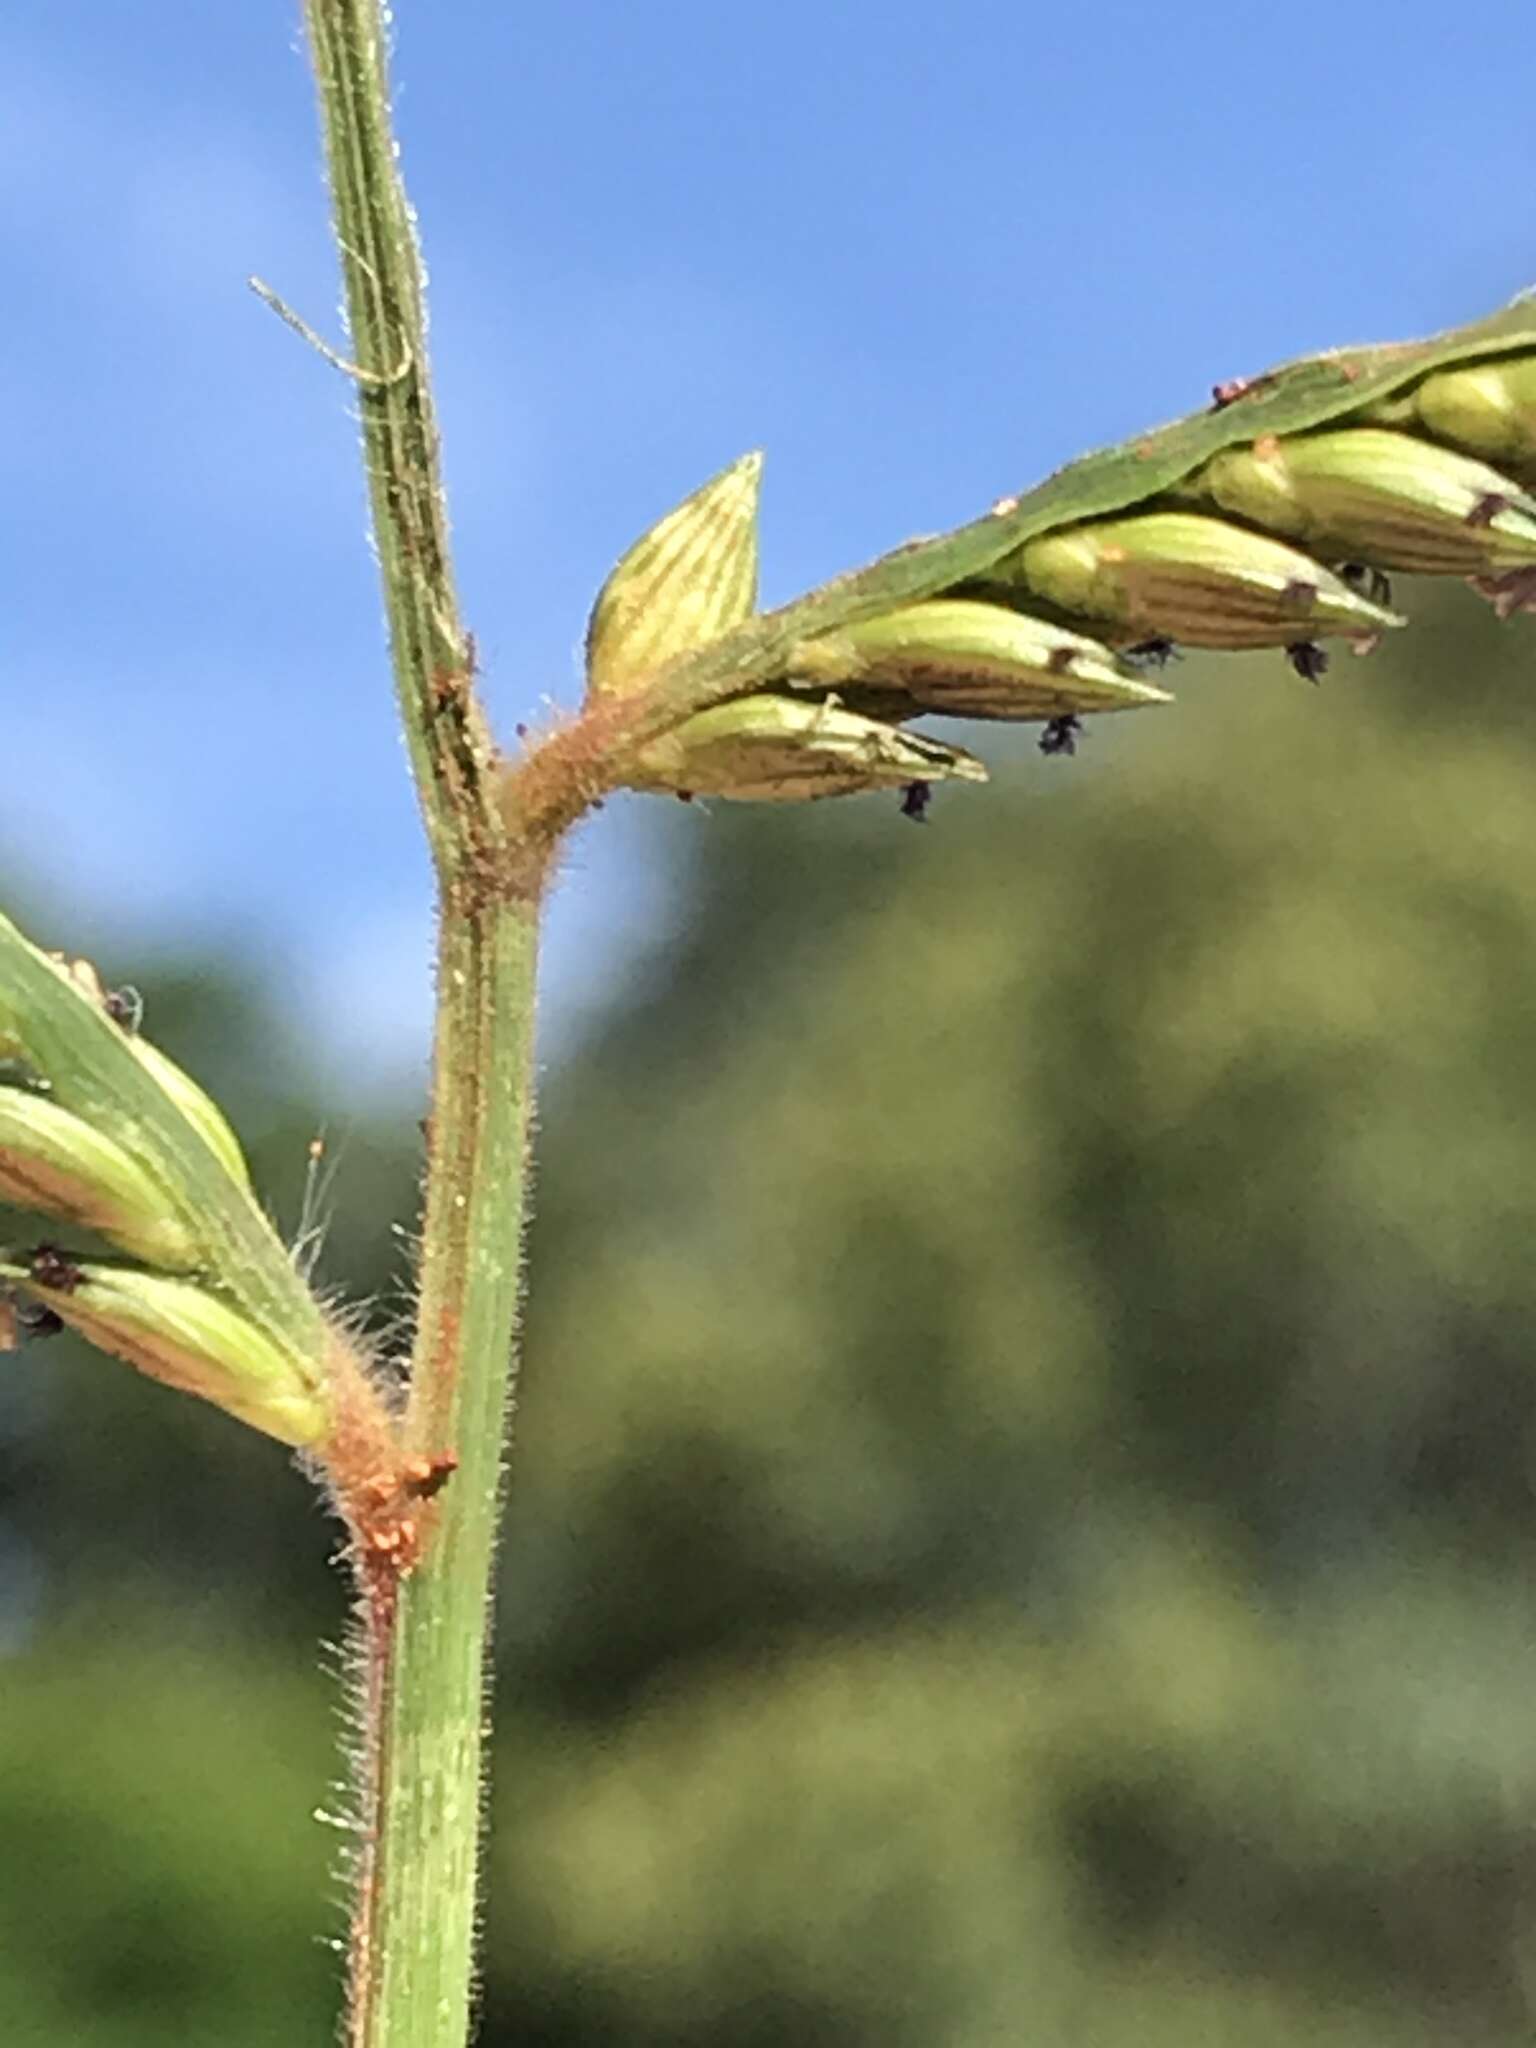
786,750
1185,577
1375,496
966,659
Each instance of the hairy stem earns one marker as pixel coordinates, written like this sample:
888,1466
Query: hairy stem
425,1628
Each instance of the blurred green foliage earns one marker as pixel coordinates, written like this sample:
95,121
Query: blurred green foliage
1022,1528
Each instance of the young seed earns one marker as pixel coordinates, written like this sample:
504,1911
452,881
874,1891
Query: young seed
784,750
183,1334
1488,409
966,659
1185,577
60,1166
1373,496
77,1045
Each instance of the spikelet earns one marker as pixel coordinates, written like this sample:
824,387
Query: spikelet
186,1335
196,1104
966,659
1367,494
782,750
1184,576
62,1167
1486,409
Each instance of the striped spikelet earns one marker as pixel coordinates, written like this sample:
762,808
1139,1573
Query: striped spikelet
688,580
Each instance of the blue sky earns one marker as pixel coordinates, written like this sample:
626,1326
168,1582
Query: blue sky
921,258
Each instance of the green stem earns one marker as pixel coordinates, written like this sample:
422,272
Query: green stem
425,1631
426,1653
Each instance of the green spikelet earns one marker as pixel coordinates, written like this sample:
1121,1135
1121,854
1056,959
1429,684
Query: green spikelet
1183,576
146,1148
1367,494
781,750
1487,409
60,1166
197,1106
965,659
184,1334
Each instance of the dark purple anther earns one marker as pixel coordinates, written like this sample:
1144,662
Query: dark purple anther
53,1269
1308,660
1061,736
1373,584
1155,654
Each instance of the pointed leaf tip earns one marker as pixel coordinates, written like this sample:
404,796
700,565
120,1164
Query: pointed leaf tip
687,581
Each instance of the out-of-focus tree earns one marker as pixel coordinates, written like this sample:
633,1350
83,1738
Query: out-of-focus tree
1057,1532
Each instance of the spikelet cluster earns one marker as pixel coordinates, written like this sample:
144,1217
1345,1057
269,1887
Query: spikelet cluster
150,1243
1283,541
